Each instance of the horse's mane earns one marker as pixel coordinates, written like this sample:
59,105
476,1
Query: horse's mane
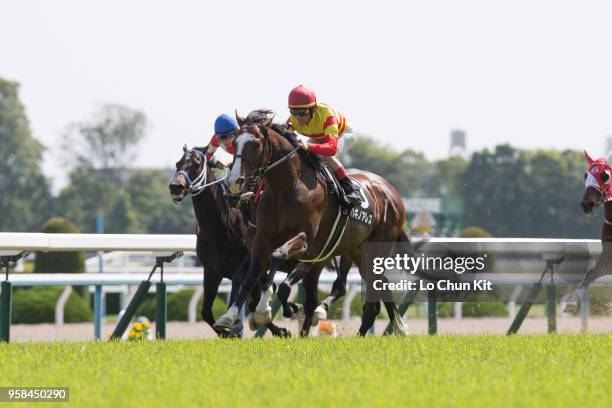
258,116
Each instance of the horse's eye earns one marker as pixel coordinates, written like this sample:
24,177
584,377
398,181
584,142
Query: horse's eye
605,177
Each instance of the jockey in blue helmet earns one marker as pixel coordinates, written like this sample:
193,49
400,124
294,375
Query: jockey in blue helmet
226,128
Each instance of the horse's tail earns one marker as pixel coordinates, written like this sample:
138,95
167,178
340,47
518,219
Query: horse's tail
414,248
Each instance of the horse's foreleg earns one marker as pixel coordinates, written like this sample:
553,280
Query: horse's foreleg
284,289
237,279
291,249
253,300
211,287
260,253
310,282
263,311
601,268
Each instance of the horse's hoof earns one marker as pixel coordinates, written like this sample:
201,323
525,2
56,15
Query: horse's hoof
398,327
228,320
224,323
320,314
570,307
234,333
263,317
281,332
290,311
301,316
251,319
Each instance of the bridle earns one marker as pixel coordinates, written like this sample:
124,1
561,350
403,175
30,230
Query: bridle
198,184
264,165
597,178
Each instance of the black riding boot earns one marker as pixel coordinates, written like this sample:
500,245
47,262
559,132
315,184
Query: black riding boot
351,189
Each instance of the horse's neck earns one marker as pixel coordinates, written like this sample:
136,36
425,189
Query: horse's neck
287,176
211,211
606,230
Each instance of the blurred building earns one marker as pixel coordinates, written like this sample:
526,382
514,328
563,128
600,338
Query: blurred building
608,148
458,146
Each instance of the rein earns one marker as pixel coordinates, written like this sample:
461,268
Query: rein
262,170
199,184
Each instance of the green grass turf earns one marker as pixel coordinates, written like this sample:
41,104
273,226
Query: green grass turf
487,371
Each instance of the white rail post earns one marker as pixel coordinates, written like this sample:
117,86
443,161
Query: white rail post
193,304
458,310
59,305
348,300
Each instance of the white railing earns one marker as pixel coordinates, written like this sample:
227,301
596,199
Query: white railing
163,245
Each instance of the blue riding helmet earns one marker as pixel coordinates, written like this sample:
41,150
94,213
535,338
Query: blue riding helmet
225,124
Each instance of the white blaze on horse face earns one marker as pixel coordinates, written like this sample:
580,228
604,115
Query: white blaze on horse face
241,140
591,181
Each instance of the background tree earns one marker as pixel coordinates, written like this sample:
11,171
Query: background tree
101,151
108,141
24,191
154,210
407,171
516,193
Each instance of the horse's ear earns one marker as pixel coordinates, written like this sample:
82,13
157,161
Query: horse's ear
239,118
588,158
185,148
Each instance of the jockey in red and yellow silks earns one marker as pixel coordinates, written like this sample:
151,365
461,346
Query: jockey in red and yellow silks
329,133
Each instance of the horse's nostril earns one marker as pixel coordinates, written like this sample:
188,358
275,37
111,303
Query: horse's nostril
588,205
175,188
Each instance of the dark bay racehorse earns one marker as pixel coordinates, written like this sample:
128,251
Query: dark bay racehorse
299,214
221,232
597,191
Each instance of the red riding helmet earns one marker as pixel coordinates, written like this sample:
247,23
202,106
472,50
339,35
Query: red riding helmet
302,97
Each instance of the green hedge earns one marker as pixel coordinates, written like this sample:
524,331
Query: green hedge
177,304
37,305
59,262
474,309
474,232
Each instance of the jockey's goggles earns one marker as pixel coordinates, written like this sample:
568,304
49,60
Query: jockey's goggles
299,112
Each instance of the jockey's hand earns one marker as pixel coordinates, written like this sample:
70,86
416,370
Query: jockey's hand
219,165
302,145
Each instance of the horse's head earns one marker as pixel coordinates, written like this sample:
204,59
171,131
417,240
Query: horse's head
190,173
596,184
250,150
